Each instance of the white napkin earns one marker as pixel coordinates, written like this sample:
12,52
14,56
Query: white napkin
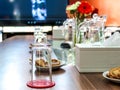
114,40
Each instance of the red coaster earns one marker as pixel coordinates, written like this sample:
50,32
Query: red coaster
40,84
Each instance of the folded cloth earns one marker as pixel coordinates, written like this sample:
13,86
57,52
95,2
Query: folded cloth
113,40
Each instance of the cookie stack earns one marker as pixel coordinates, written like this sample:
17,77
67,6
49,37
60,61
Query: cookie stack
114,73
43,63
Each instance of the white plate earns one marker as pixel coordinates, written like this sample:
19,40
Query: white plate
53,68
111,79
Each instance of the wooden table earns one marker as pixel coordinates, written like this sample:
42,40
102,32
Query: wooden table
15,70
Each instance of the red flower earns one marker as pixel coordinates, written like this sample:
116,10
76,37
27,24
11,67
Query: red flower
85,8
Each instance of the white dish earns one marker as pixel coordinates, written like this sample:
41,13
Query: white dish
53,68
111,79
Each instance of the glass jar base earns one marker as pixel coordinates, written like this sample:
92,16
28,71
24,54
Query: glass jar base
40,84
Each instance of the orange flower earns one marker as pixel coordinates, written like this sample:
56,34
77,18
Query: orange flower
85,8
79,10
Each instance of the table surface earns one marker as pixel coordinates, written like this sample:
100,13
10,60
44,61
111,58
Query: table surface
15,70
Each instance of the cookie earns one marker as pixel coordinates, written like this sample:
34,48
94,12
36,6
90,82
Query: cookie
40,63
114,73
54,62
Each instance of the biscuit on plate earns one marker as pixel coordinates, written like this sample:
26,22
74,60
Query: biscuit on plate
40,62
114,73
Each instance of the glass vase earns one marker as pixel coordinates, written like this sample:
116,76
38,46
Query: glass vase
77,33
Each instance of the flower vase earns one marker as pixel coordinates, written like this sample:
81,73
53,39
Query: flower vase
77,33
74,37
80,37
